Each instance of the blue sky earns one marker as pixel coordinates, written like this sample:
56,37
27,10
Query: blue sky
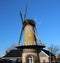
46,13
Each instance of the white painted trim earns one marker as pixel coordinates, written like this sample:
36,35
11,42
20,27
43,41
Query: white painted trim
44,53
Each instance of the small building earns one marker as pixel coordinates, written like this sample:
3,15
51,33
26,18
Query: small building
46,56
58,58
15,56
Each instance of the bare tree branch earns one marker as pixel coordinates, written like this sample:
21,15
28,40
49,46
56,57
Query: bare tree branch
10,48
53,49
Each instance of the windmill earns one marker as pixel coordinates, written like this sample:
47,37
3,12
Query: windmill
28,21
31,48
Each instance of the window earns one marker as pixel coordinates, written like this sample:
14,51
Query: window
29,59
43,61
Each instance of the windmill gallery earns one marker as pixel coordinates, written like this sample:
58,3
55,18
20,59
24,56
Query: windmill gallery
31,51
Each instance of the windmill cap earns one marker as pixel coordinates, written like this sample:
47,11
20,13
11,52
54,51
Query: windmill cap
29,21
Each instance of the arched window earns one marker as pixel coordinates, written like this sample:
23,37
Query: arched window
29,59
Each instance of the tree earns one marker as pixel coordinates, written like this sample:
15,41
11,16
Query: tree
53,49
11,48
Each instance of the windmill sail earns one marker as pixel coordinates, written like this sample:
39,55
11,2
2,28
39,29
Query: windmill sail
25,10
21,17
21,35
